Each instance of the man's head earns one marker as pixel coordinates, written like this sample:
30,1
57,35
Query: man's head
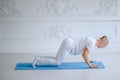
102,42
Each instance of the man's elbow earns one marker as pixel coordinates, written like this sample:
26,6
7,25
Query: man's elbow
86,50
85,53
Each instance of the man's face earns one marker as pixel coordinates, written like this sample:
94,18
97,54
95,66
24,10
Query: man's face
102,44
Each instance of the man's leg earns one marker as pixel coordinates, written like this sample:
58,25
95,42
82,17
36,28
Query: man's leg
65,49
47,60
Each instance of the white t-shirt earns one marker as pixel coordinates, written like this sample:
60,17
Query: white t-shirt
80,44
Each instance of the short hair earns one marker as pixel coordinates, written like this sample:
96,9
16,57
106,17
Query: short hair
105,37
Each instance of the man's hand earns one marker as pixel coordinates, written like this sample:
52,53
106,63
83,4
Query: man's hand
93,66
85,56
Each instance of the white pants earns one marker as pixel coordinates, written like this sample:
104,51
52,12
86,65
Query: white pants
65,48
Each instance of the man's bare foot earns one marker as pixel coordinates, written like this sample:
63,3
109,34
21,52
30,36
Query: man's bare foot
34,62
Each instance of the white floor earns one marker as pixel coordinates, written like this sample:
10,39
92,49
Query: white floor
110,60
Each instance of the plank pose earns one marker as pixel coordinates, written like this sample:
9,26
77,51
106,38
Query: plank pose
74,47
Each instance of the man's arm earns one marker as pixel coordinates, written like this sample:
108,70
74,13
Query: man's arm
85,56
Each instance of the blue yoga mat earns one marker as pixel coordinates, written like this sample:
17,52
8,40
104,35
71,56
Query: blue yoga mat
65,65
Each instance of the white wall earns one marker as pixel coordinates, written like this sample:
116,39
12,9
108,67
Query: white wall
28,26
